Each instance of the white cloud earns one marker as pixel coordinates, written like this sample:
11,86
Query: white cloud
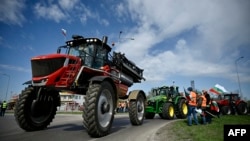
214,32
52,12
121,12
87,14
68,10
68,4
11,12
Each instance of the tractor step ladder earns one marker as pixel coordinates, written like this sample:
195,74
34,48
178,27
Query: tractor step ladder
68,76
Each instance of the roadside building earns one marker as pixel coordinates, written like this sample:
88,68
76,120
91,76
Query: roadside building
71,102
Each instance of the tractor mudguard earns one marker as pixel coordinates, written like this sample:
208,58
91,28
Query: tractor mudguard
133,94
99,78
182,97
102,78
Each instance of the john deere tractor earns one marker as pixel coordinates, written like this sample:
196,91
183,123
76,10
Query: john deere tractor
86,68
167,102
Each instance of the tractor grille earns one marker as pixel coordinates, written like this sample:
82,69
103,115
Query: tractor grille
45,67
151,103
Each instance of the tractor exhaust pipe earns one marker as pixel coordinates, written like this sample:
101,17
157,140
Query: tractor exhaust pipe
104,39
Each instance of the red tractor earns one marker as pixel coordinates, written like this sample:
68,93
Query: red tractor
87,68
232,104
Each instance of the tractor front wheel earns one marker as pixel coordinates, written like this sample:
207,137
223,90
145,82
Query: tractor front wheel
36,113
182,109
98,112
168,111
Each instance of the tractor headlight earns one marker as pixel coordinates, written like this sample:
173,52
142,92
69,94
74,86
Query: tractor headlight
70,43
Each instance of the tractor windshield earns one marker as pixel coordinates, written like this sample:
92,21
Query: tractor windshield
92,55
163,92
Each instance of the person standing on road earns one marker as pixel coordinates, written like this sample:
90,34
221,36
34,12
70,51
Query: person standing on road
192,105
3,108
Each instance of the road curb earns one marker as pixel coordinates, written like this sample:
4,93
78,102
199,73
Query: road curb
152,138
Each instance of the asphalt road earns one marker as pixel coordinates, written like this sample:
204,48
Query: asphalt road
66,127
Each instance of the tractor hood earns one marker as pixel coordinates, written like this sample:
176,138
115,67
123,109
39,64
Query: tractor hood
159,97
47,69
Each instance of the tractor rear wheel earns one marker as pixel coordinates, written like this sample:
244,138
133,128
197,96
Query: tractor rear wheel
137,110
242,108
168,111
98,112
32,113
182,109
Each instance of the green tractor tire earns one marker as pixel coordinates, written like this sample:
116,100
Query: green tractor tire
168,111
182,109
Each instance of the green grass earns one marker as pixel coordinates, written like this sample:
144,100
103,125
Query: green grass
209,132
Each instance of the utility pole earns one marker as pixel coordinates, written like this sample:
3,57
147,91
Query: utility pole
120,34
7,84
236,65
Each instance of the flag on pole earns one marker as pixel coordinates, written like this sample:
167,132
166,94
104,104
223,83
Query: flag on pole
214,91
217,89
64,32
221,88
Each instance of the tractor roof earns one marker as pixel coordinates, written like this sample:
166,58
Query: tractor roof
230,94
77,40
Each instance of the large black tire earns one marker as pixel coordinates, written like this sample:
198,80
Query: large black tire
137,110
98,112
32,115
242,108
149,115
168,111
182,109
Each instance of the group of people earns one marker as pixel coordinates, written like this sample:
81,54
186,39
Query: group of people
122,107
3,107
199,102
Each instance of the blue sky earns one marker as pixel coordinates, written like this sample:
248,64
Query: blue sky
175,40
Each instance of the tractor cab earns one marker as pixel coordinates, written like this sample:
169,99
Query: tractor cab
92,51
168,91
231,97
174,90
163,90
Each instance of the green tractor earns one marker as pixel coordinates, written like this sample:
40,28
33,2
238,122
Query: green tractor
167,102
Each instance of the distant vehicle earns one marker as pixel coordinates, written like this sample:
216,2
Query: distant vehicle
232,104
86,68
167,102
